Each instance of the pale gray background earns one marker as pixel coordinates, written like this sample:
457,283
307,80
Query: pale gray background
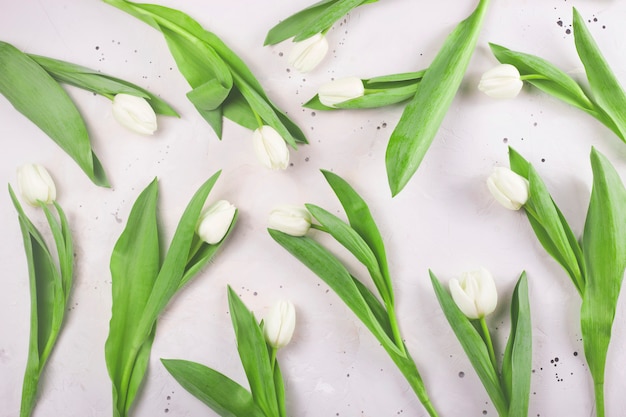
445,218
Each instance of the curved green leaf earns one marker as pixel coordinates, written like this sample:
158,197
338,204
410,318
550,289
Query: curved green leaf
422,117
35,94
226,397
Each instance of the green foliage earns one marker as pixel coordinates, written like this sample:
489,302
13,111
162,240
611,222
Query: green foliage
606,99
222,84
143,284
422,117
509,389
50,280
363,239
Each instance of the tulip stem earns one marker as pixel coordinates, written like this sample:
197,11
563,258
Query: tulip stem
395,329
532,77
599,394
319,227
258,118
488,342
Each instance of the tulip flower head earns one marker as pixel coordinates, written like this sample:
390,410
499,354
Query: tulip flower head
508,188
270,148
308,53
36,185
290,219
134,113
475,293
340,90
215,221
502,81
279,324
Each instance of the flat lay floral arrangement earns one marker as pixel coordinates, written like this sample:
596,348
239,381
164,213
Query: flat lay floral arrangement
341,208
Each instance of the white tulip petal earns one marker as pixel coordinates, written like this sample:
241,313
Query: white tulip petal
215,221
308,53
134,113
508,188
502,81
293,220
35,184
462,300
340,90
270,148
280,323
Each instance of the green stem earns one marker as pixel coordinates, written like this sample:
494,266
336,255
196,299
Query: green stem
257,117
273,358
533,77
395,329
29,391
488,342
599,394
319,227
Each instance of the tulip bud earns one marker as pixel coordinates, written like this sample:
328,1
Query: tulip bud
502,81
293,220
35,184
270,148
475,294
134,113
215,221
338,91
279,324
308,53
508,188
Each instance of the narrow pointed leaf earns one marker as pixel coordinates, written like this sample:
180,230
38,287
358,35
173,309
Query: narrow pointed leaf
607,91
517,361
99,83
473,345
294,24
226,397
361,220
422,117
604,246
134,266
254,355
35,94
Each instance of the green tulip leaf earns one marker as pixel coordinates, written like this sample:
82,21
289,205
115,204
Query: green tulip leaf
517,361
314,19
91,80
143,285
604,247
422,117
607,91
473,345
35,94
254,355
226,397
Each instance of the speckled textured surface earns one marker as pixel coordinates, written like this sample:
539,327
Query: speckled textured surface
444,219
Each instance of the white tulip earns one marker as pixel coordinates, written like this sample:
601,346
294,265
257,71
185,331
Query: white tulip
293,220
215,221
270,148
475,294
508,188
308,53
36,185
338,91
502,81
134,113
279,324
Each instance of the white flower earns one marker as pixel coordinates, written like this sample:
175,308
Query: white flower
308,53
502,81
279,324
134,113
215,221
36,184
475,294
340,90
293,220
508,188
270,148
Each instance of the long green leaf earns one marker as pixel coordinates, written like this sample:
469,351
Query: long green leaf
351,240
97,82
473,345
554,82
334,274
314,19
361,220
226,397
607,91
604,247
135,263
254,355
517,362
35,94
549,224
422,117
